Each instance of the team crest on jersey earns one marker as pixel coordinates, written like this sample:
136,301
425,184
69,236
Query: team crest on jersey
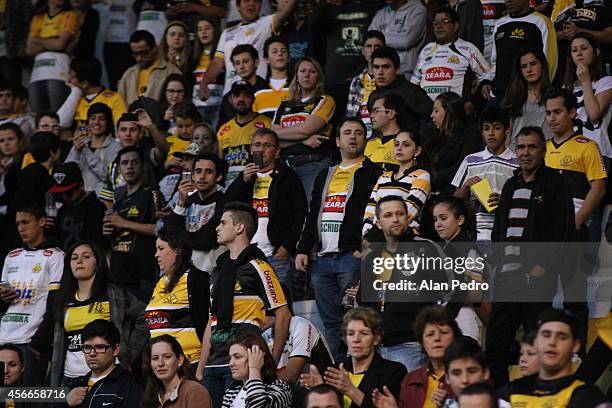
15,253
133,211
453,59
518,33
566,161
237,287
47,252
438,74
249,32
37,268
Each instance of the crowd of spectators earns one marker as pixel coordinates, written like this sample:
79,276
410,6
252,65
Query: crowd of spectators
176,175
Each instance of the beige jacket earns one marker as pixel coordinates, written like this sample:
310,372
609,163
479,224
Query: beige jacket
128,84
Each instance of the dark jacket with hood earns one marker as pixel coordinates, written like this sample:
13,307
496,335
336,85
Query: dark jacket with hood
356,201
286,205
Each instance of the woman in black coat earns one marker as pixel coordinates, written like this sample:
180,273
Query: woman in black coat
365,370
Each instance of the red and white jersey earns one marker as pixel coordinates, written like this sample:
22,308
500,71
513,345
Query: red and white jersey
492,11
32,273
442,67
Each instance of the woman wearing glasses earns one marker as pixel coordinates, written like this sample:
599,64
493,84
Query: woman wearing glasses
86,295
175,90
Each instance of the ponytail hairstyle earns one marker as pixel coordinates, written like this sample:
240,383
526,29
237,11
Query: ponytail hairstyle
460,207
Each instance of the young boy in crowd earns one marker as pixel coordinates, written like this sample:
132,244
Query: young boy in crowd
187,117
528,360
245,60
276,55
465,364
363,84
496,163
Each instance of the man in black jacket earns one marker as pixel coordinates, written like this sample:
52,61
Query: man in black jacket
398,309
107,384
199,213
267,184
535,207
418,105
332,229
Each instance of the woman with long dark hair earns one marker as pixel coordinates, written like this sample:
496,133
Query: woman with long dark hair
524,99
585,77
254,372
180,302
52,32
205,45
452,140
86,295
170,380
174,91
411,180
303,123
174,46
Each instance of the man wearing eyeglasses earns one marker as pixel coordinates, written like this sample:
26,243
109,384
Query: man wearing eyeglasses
107,384
444,65
266,184
147,76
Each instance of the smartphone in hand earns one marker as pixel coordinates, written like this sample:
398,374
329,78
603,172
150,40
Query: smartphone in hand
258,159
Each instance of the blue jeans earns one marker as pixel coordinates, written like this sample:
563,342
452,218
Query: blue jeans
331,275
410,354
284,272
216,381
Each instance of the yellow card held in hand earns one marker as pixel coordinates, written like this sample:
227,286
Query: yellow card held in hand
482,190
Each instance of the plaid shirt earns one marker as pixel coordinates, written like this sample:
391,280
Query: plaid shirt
356,92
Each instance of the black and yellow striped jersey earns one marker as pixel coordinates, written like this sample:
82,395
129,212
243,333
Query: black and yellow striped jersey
169,313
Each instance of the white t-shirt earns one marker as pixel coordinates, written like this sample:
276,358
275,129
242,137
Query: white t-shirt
154,22
240,400
598,131
256,34
122,21
33,274
261,194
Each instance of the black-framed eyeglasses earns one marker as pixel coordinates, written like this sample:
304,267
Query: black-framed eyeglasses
99,348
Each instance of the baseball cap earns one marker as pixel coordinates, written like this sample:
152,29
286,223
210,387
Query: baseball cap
559,315
192,149
241,86
66,177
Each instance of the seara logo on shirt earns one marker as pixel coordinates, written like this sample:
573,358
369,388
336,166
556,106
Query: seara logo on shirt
335,203
157,319
439,74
